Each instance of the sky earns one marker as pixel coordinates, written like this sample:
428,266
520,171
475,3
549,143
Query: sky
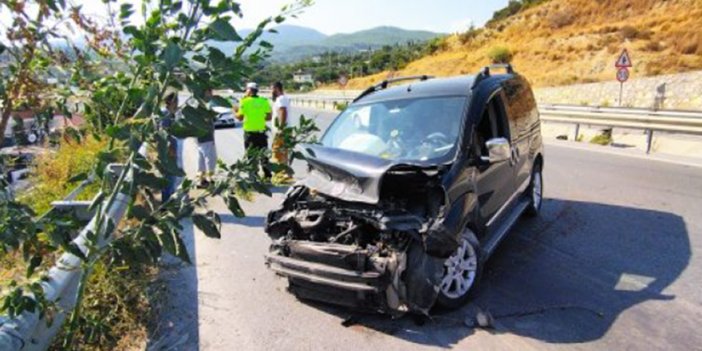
344,16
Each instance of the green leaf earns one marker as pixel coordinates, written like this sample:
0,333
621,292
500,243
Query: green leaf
73,249
78,177
220,101
97,201
172,54
181,249
217,57
33,264
139,212
107,157
262,189
125,11
119,132
222,30
207,224
234,206
133,31
279,167
266,44
150,180
165,239
177,6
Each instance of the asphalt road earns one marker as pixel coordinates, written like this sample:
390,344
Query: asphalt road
612,263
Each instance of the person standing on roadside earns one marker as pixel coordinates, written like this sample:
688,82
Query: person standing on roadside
281,108
254,111
169,117
207,152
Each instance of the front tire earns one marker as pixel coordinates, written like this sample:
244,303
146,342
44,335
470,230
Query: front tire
535,191
462,271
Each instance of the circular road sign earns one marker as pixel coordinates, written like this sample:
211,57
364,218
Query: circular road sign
343,80
622,74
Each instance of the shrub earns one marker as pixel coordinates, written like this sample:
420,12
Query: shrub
689,44
628,33
436,45
645,34
601,139
51,172
468,35
500,54
561,19
513,7
653,46
341,105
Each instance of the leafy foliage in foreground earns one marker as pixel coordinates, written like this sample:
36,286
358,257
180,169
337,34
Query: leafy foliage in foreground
171,50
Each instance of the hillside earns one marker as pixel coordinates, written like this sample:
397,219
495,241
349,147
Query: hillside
290,36
293,43
561,42
378,36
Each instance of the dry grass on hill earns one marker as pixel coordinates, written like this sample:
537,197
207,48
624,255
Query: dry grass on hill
576,41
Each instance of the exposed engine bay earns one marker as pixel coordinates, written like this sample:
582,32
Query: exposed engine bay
379,257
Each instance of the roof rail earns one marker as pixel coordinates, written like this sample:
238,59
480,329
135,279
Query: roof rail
485,72
508,67
384,84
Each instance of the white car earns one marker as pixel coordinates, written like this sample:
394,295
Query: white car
225,115
225,119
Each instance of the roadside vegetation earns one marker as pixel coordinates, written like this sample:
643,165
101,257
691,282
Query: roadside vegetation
560,42
52,171
604,138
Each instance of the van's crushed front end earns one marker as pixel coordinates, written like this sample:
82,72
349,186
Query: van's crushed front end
362,233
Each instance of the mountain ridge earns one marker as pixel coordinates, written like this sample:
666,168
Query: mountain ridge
292,42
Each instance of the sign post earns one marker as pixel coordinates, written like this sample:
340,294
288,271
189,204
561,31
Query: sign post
343,80
623,63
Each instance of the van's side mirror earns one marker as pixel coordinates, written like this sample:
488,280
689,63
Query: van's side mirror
498,150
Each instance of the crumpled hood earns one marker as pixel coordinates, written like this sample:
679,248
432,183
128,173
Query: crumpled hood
348,175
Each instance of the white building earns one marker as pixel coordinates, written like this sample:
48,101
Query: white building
302,77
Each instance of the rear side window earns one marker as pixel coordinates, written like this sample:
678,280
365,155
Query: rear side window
521,106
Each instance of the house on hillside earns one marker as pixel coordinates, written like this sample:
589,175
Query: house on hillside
302,77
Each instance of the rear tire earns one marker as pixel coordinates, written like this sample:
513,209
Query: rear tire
462,273
535,192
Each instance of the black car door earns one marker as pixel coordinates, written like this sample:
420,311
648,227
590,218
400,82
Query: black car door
495,180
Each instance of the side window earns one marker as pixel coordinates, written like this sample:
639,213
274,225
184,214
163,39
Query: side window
520,105
493,124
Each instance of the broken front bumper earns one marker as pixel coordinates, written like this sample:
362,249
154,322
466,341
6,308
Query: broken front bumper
339,274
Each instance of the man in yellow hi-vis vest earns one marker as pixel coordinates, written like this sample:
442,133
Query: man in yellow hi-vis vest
255,111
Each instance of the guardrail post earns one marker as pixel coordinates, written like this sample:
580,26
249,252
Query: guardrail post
577,131
649,140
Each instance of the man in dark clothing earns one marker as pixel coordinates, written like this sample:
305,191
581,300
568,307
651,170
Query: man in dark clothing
255,111
168,120
207,152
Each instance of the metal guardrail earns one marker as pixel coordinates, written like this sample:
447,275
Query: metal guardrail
29,331
672,121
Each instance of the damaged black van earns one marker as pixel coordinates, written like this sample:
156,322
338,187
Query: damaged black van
411,189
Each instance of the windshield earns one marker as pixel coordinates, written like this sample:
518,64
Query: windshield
410,129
